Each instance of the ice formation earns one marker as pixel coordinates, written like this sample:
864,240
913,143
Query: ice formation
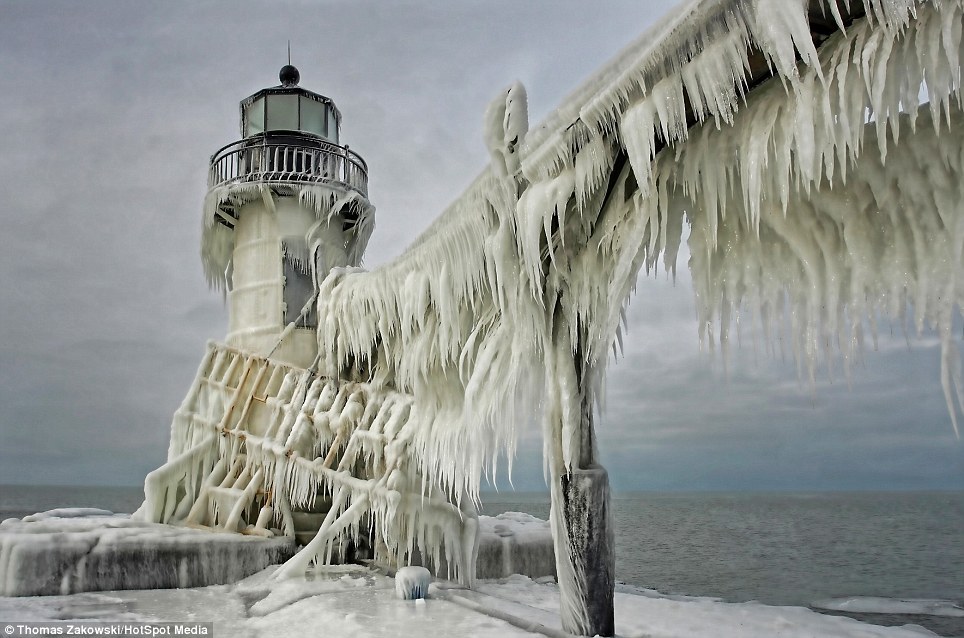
412,583
798,212
818,200
514,543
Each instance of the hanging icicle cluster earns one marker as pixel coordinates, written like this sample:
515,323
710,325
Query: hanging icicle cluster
504,289
217,237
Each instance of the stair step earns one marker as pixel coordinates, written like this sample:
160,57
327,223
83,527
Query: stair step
303,538
321,505
308,521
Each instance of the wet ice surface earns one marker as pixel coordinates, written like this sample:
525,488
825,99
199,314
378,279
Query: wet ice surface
357,601
339,601
878,605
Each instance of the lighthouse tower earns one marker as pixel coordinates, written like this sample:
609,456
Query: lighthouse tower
285,204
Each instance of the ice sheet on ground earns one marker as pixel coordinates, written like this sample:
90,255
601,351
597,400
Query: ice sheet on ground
878,605
265,595
353,600
96,606
655,616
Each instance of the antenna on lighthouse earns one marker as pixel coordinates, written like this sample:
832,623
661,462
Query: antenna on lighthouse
289,75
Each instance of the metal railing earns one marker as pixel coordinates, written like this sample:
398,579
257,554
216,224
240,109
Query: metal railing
289,158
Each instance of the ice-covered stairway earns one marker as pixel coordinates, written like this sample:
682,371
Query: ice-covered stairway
264,448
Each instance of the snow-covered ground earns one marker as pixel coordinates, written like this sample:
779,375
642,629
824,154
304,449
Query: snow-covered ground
357,601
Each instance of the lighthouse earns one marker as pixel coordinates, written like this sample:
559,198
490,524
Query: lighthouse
285,204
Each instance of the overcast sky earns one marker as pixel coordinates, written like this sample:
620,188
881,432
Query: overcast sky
109,112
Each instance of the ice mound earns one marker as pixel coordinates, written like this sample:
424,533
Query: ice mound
411,583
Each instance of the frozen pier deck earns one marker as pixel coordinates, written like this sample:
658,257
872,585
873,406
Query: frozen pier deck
349,600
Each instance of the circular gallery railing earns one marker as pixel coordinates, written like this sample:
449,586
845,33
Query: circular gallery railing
288,158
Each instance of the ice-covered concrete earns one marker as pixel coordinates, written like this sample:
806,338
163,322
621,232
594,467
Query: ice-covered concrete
510,543
69,551
514,543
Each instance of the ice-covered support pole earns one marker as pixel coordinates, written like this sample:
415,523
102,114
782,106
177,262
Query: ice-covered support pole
582,529
581,516
588,516
588,513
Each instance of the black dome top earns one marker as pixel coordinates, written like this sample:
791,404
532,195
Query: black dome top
289,75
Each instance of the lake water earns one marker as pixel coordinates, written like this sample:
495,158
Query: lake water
790,548
780,549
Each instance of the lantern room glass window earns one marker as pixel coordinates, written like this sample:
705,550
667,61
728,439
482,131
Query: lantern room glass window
282,113
254,118
289,111
314,117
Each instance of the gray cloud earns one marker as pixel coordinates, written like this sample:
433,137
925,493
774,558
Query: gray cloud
110,111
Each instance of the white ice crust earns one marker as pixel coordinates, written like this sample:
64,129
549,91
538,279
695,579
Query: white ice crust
804,220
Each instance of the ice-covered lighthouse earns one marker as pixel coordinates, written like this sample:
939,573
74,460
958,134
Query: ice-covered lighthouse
275,438
286,204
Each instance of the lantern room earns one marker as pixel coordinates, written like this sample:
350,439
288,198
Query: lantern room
290,108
